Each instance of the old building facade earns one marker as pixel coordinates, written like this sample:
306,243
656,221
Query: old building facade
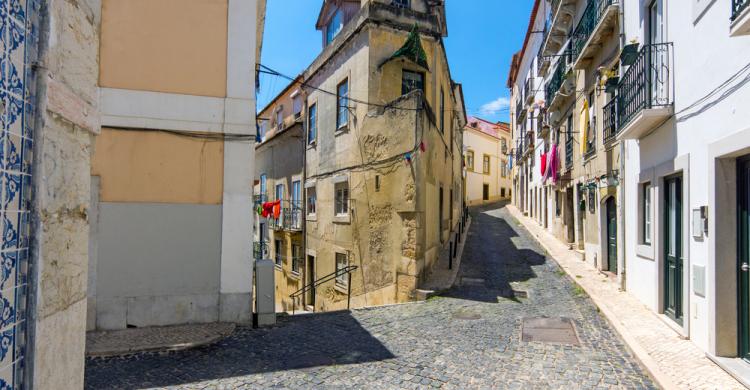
279,162
383,167
487,148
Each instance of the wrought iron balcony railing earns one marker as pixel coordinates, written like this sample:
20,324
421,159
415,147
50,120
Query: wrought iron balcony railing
609,131
738,6
260,250
558,77
569,152
258,200
586,25
292,216
647,83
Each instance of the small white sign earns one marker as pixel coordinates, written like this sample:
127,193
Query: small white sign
697,223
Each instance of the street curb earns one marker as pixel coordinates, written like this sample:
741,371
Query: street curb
638,352
456,265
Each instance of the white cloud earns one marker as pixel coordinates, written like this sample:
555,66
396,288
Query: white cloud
495,106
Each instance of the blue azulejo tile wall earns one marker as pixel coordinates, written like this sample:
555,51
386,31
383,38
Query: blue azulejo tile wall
18,51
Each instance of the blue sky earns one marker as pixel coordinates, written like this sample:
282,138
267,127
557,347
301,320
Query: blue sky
482,37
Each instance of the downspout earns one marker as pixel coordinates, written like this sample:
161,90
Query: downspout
303,217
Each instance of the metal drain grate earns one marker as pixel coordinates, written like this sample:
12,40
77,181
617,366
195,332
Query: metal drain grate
466,315
555,330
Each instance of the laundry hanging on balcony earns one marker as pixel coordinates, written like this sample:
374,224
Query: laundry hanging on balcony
583,130
271,208
543,163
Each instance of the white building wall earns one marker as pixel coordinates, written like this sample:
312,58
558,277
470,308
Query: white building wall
705,57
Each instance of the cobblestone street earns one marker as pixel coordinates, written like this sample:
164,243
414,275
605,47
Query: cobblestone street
471,337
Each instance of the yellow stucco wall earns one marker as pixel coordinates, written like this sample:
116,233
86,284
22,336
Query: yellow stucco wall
156,167
185,53
482,144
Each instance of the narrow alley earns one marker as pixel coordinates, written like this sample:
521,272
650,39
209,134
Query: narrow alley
474,336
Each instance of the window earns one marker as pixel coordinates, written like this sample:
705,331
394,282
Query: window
277,252
557,203
503,146
503,168
486,164
262,130
470,160
279,192
400,3
296,206
646,211
377,183
297,106
342,198
502,192
411,81
440,213
334,26
341,264
311,200
296,258
263,190
442,110
312,125
342,104
279,119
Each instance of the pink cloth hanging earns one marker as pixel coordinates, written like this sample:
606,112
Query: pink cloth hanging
543,163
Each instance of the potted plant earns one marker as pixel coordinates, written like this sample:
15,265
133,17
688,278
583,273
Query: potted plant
629,53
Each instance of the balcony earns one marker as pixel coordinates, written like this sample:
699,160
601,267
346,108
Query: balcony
542,61
290,216
541,125
596,24
569,153
562,14
561,79
528,90
520,109
609,131
646,92
260,250
740,18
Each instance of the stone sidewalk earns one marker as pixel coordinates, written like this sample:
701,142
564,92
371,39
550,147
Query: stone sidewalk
442,277
675,363
157,338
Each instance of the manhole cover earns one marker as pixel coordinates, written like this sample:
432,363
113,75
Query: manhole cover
466,315
554,330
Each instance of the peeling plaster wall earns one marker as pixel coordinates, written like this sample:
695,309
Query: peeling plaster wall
67,121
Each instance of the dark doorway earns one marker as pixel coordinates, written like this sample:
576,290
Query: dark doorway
309,279
485,192
743,253
673,248
611,235
569,222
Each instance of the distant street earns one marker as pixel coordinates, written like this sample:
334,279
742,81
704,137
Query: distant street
471,337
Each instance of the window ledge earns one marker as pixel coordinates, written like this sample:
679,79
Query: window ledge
312,145
294,275
312,217
645,251
341,287
341,130
278,267
342,218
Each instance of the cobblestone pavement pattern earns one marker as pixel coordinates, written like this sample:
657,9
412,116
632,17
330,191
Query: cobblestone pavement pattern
468,338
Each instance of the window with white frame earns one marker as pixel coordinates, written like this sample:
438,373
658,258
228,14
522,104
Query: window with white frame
279,118
342,104
279,192
342,198
334,27
311,200
646,206
342,262
262,130
297,106
312,124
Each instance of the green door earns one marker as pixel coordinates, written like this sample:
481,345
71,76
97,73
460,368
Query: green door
743,253
611,235
673,248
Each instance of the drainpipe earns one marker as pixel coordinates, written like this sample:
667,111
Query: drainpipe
621,180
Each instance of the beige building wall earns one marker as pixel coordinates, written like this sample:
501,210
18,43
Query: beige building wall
393,231
498,179
143,50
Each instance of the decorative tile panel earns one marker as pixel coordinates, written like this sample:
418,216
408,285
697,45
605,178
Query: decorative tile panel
18,45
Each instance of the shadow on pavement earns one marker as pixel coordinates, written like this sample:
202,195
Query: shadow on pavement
296,342
492,258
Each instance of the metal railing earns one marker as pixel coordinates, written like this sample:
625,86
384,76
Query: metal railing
260,199
260,250
292,215
569,152
737,7
586,25
332,276
558,76
647,83
520,108
609,130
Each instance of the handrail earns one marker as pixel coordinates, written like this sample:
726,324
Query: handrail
737,7
341,271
